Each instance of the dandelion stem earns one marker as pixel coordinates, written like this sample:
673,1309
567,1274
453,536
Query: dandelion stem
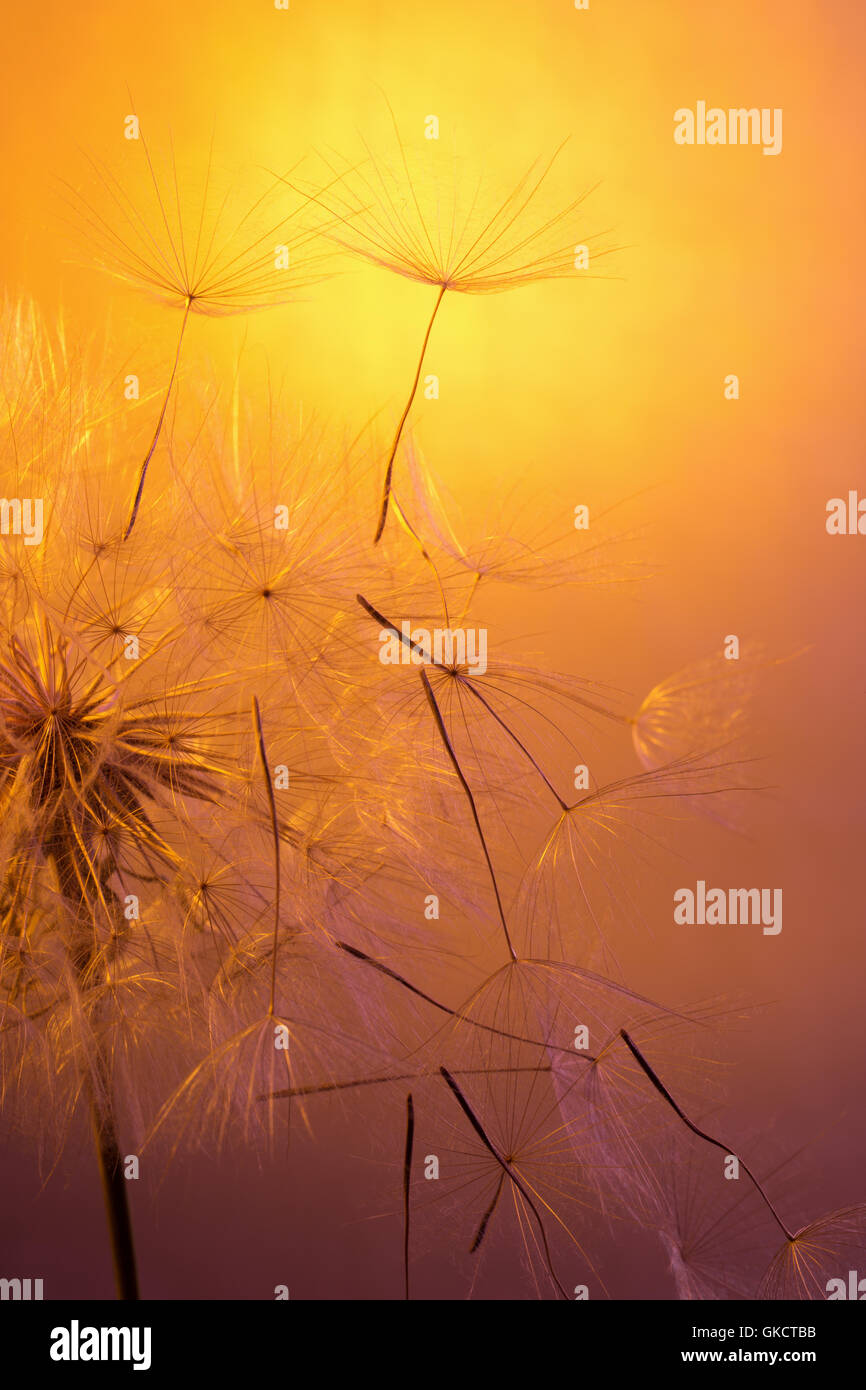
389,468
329,1087
98,1086
443,733
467,684
407,1179
425,555
159,424
449,748
483,1223
456,1013
708,1138
476,580
110,1161
263,757
391,627
506,1168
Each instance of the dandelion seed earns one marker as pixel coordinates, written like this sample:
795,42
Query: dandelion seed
507,1164
467,246
700,1133
273,594
705,706
581,881
272,807
198,253
822,1251
326,1035
496,1176
715,1234
494,716
511,549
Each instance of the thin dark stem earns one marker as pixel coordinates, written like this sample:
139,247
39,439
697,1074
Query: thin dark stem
328,1087
456,1013
114,1191
467,684
109,1160
483,1223
426,556
158,431
105,1141
506,1168
407,1179
275,829
391,627
389,468
708,1138
443,734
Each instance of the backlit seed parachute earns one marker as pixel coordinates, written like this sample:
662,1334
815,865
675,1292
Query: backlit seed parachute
716,1233
54,400
507,1183
271,557
615,1123
482,696
817,1260
521,1057
410,208
623,1130
394,214
196,248
700,708
581,888
287,1014
194,239
511,546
